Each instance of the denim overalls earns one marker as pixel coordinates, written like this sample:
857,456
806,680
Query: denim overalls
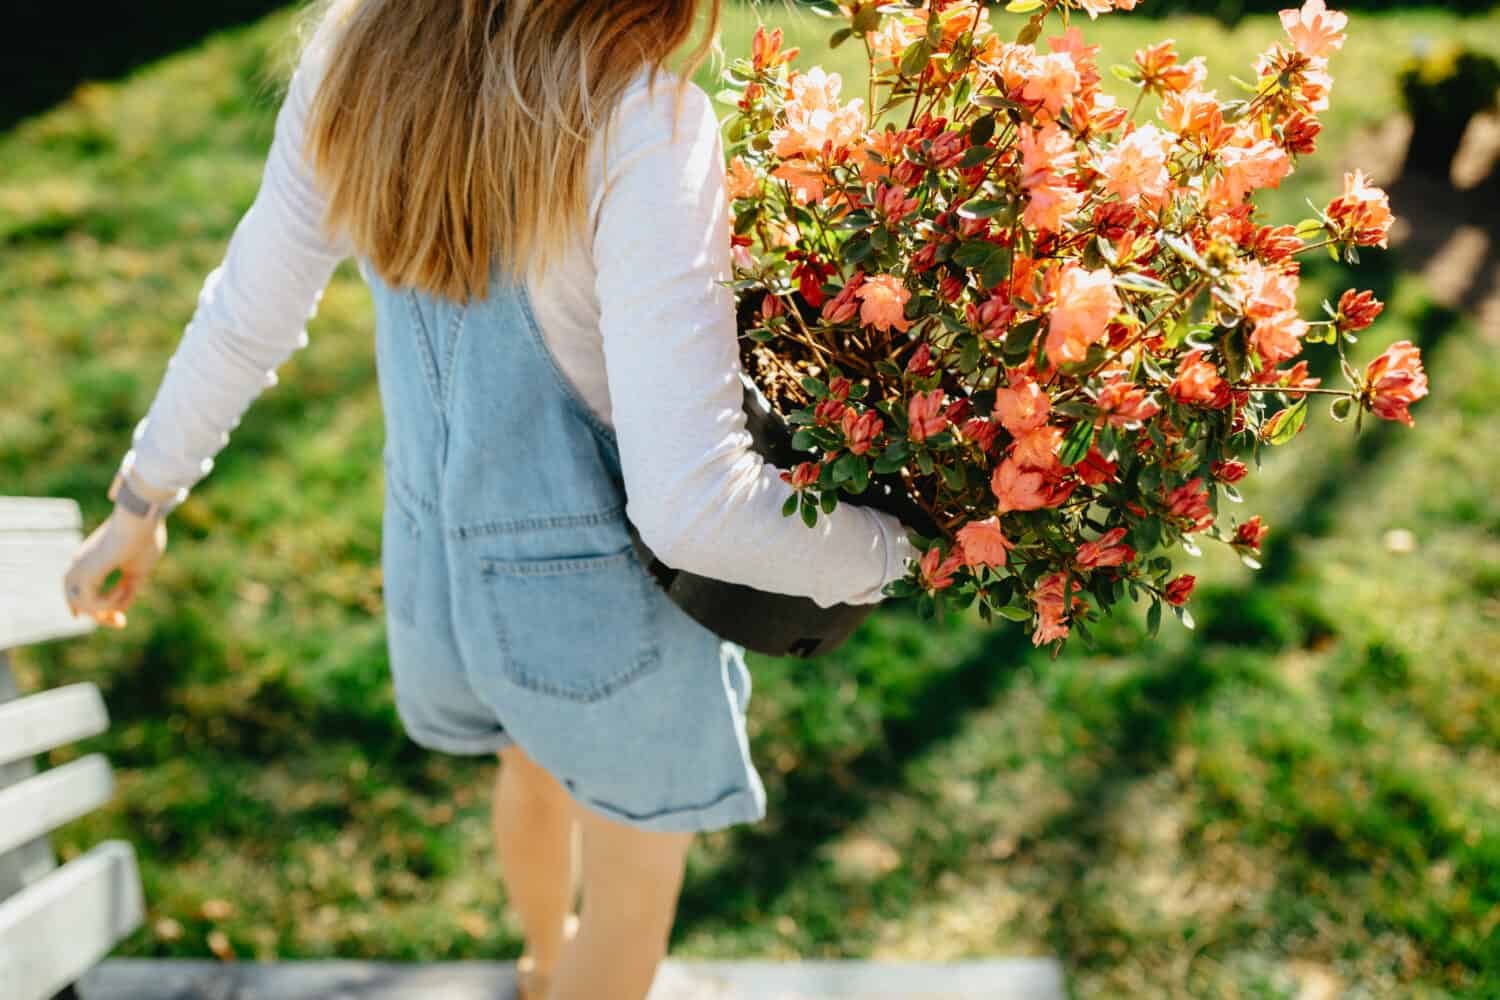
517,610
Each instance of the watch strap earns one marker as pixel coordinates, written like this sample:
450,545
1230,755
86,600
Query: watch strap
132,502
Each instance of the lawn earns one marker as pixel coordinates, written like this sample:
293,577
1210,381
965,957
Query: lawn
1304,792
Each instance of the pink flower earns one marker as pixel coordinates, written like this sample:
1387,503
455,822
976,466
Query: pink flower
1022,406
883,301
1395,380
1188,506
925,415
984,544
861,431
1084,304
1363,212
1315,30
1106,550
1178,591
741,180
1198,383
893,202
1250,534
1019,488
937,572
1137,167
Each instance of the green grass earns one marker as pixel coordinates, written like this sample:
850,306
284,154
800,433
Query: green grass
1310,783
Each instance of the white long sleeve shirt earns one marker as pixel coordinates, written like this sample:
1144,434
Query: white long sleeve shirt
635,313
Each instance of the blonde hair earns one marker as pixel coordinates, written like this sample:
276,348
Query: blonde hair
452,135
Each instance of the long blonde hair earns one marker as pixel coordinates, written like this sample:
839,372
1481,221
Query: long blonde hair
452,135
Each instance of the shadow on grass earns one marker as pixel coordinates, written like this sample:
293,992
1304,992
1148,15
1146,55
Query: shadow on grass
53,47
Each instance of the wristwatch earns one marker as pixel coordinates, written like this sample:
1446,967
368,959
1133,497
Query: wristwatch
122,494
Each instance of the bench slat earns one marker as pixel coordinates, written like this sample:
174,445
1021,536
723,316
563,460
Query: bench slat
38,537
56,929
39,514
52,798
40,722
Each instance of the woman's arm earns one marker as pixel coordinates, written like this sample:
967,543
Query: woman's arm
251,313
701,497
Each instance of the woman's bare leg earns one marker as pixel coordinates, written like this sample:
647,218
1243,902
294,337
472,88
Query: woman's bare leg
631,880
533,817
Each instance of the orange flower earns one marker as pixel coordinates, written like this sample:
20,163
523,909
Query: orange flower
984,544
1198,382
883,301
1038,447
861,431
1395,380
740,180
1250,534
925,415
1084,304
1022,406
1362,213
1106,550
1315,30
1018,488
1188,506
815,120
1178,591
1137,167
1051,610
1250,166
1125,404
1358,310
1052,81
937,572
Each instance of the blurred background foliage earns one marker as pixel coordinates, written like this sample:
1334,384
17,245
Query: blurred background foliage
1301,798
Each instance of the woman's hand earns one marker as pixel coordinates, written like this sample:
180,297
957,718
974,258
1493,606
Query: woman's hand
125,542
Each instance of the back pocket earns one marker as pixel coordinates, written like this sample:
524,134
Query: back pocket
578,628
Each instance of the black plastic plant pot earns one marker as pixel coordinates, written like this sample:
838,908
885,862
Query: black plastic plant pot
777,624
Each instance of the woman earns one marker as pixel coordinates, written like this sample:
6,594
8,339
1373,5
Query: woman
538,208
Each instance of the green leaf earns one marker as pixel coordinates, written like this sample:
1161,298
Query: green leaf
1014,612
968,356
982,131
828,502
815,388
1153,619
1023,6
841,36
809,512
1288,422
803,439
914,59
1340,408
1076,443
1143,283
997,268
844,466
790,507
973,253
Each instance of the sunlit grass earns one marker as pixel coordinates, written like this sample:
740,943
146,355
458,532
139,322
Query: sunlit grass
1309,781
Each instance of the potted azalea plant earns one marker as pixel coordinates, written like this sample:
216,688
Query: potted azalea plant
1048,330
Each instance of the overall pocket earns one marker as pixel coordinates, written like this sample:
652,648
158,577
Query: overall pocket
400,558
578,628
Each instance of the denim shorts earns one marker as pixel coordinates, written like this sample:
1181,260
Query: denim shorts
639,713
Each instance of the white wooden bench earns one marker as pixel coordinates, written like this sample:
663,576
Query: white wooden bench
55,923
